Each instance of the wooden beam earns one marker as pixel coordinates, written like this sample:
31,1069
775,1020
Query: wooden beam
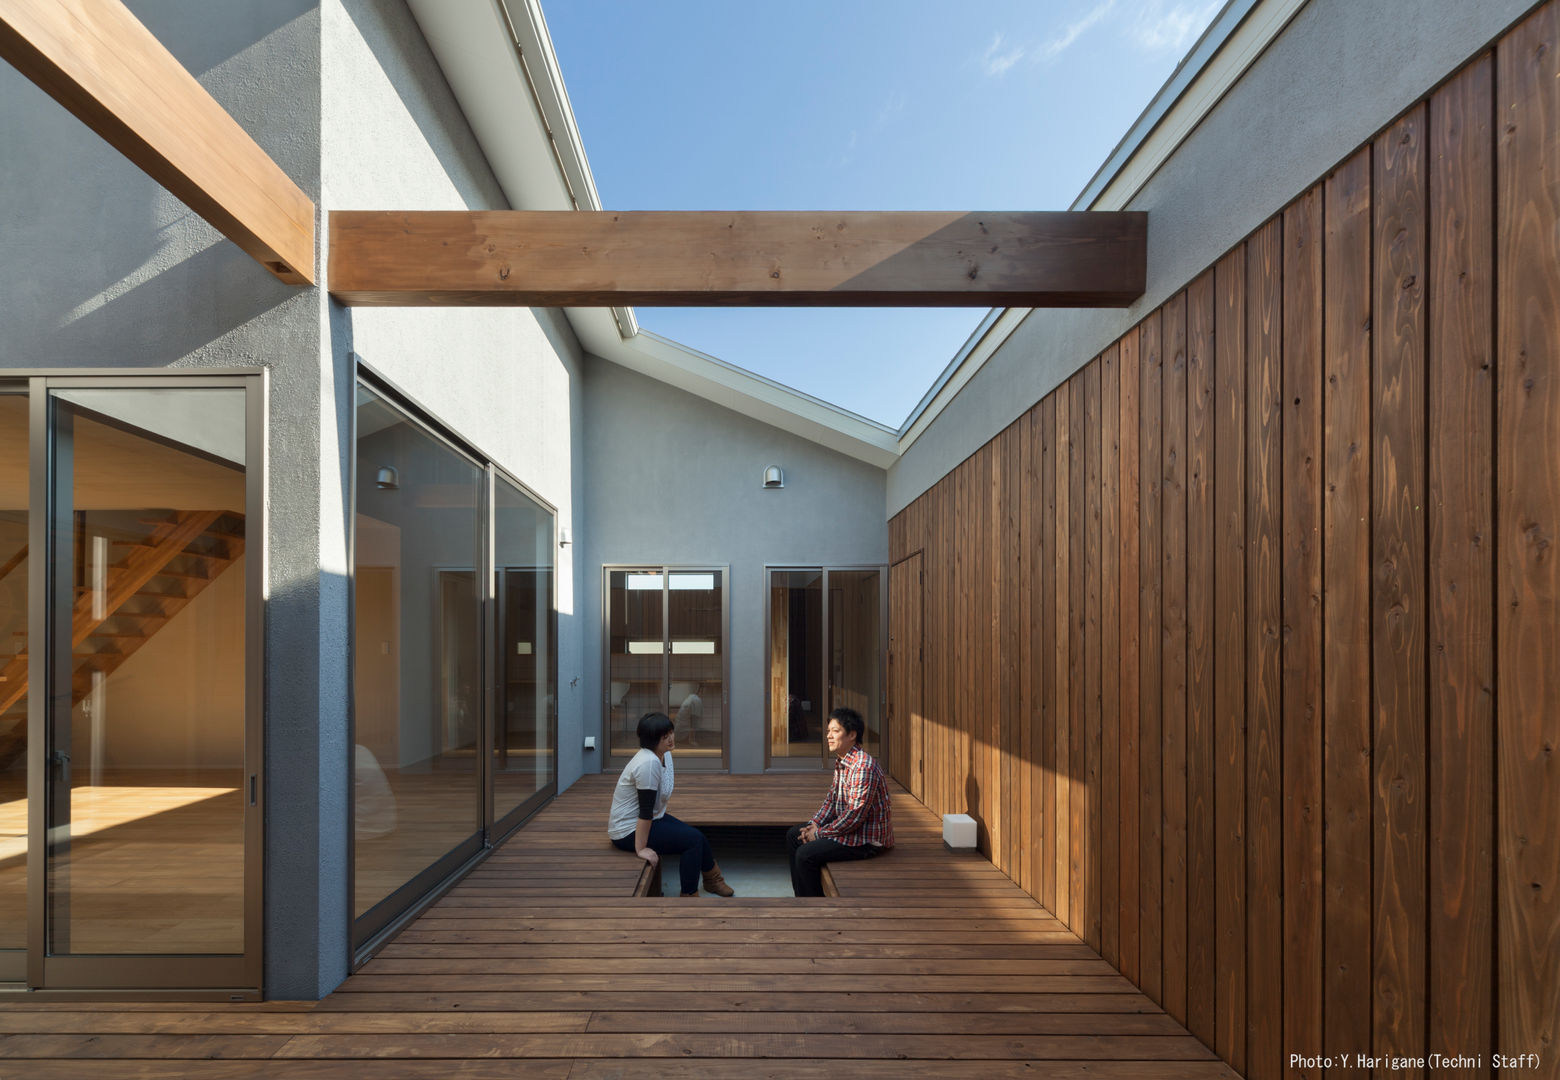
96,59
780,259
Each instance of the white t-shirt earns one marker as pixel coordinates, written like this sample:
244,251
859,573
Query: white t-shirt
644,771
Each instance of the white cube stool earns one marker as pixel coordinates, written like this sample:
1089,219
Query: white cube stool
958,831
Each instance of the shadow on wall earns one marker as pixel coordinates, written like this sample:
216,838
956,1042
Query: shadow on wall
181,310
391,34
119,271
972,808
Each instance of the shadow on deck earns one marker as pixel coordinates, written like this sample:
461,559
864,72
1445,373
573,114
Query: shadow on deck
542,964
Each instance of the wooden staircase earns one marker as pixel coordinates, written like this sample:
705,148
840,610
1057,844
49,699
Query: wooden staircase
155,577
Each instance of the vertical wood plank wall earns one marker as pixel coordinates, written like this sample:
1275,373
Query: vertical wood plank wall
1243,646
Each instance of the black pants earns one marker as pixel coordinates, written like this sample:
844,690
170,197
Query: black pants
807,859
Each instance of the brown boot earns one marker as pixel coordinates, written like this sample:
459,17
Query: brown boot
714,883
692,894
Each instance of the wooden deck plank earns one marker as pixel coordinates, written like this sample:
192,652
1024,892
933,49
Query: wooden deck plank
730,1045
621,1069
747,1004
929,962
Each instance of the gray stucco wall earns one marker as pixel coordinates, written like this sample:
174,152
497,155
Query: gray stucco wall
671,478
346,98
121,274
1337,74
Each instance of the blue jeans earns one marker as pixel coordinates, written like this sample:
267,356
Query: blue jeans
668,836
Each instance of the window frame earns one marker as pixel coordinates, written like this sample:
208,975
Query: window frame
690,764
366,933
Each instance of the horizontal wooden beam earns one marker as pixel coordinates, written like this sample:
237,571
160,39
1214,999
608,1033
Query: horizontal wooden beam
96,59
770,259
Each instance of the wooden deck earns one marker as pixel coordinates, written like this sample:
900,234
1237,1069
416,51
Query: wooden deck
541,964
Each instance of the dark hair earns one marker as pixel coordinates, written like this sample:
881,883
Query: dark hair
653,727
851,721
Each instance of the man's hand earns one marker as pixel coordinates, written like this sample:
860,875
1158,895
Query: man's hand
649,855
809,833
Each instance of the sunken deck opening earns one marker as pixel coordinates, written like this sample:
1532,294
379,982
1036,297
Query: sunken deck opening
752,858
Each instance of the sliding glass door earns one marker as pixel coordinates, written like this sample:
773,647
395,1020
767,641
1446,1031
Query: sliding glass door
825,651
418,673
665,646
525,754
14,642
146,792
130,682
455,658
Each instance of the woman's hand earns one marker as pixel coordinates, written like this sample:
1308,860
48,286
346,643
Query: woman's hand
649,855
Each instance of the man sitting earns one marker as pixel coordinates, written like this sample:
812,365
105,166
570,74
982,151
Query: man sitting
854,822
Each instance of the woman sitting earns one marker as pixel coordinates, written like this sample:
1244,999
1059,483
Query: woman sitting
639,821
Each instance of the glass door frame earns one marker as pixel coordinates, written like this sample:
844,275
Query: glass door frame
382,921
388,914
825,651
501,825
666,570
230,975
14,963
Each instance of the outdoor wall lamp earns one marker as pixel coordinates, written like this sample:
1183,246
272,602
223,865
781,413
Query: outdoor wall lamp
565,537
773,477
387,479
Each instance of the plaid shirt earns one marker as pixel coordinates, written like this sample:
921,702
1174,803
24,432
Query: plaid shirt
856,810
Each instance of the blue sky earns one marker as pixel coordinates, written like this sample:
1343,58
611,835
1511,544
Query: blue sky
856,105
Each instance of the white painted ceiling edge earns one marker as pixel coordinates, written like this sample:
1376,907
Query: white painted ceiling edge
498,59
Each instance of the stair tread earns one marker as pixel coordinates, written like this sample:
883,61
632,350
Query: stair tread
221,543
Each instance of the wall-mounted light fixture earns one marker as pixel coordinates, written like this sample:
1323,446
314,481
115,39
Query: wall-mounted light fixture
773,477
565,537
387,479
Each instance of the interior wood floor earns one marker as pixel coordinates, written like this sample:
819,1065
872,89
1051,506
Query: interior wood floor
155,863
540,964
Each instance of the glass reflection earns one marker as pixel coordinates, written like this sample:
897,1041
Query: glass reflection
418,659
13,670
147,758
855,648
796,707
696,690
524,759
635,654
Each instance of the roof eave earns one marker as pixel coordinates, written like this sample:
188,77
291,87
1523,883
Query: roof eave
500,64
498,59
